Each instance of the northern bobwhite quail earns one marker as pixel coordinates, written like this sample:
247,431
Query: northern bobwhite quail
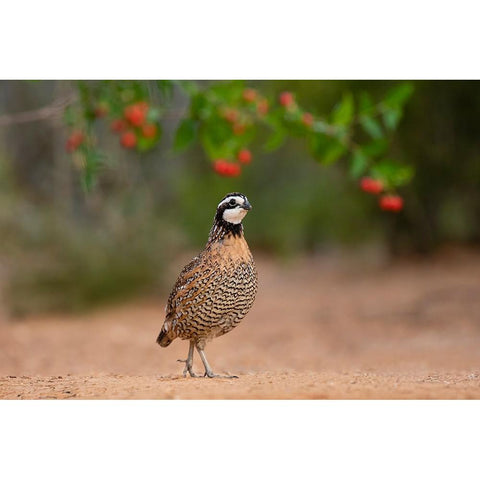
216,289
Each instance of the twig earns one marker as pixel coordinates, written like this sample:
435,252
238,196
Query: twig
55,109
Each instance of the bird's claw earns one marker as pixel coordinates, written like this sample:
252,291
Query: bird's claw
188,369
214,375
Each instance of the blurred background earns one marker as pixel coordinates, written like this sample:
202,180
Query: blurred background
62,249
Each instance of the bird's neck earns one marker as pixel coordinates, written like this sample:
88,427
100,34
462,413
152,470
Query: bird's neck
221,229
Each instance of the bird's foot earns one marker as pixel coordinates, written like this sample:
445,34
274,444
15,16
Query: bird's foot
188,369
210,374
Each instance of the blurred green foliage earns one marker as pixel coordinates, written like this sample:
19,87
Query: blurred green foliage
295,204
225,117
56,262
64,249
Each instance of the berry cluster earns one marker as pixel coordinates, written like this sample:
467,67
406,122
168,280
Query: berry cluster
227,168
288,102
388,202
134,125
261,104
241,119
251,105
236,119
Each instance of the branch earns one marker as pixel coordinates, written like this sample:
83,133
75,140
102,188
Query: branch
54,110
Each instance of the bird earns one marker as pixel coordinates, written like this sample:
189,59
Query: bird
215,291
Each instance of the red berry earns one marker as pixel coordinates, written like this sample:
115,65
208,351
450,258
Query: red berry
119,125
230,115
149,130
238,128
244,156
392,203
74,141
307,119
286,99
262,107
219,166
249,95
234,170
135,114
370,185
128,139
226,169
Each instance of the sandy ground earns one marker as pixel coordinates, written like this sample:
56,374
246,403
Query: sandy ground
323,327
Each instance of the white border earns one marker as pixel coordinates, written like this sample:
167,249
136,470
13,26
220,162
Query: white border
254,40
215,39
239,439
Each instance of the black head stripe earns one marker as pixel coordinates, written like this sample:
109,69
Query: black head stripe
225,202
233,194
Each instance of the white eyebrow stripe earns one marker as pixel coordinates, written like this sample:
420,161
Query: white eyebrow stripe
239,200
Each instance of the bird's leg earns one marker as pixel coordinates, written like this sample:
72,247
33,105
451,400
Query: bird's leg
189,362
208,371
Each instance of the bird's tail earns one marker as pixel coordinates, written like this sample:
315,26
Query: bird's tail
165,337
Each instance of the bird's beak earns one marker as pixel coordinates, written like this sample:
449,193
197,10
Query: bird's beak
246,206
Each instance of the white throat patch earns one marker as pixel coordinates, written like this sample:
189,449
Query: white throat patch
234,215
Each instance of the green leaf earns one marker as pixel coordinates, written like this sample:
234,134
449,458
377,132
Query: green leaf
140,89
366,105
333,153
326,149
92,162
200,107
391,118
375,147
398,95
228,92
371,126
217,139
393,173
359,163
185,134
343,111
403,175
275,140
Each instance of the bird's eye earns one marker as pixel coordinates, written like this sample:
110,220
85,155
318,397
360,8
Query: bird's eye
232,202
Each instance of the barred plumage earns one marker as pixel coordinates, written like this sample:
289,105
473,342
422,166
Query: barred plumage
217,288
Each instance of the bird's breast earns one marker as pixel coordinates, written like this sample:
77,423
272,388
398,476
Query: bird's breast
233,248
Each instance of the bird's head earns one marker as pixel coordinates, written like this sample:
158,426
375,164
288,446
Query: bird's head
233,208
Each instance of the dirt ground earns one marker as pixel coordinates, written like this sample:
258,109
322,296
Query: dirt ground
325,327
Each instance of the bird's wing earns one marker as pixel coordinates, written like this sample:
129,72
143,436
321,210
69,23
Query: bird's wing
188,282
